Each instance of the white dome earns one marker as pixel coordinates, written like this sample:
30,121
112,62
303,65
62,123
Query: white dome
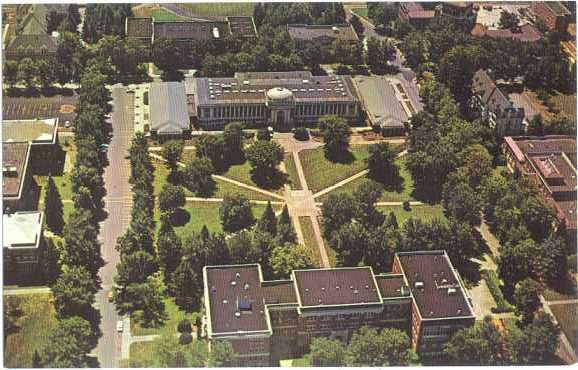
279,93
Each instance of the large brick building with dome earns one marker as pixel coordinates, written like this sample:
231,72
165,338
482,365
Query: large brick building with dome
278,99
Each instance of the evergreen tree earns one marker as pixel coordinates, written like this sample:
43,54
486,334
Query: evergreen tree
53,207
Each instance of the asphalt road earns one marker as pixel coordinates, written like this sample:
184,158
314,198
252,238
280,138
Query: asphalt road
117,204
370,32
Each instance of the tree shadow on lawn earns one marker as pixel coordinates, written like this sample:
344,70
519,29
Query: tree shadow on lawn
395,185
270,181
340,156
180,217
470,271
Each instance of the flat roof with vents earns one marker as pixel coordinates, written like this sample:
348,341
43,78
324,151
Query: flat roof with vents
434,285
237,295
14,165
336,286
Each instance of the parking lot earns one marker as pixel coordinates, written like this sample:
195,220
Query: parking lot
60,106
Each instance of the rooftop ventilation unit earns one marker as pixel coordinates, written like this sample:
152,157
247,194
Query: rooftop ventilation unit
306,81
216,33
335,29
419,284
237,275
233,283
452,291
211,96
246,82
246,286
356,291
244,305
237,314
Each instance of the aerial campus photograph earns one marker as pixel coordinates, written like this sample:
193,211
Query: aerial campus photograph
296,184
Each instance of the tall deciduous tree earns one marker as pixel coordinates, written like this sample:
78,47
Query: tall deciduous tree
81,242
68,345
336,134
53,211
326,352
538,342
171,198
481,344
337,211
74,292
286,258
264,157
198,176
527,299
172,151
381,164
221,354
236,213
388,347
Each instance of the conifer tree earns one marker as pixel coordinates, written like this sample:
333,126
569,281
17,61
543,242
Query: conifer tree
268,223
53,208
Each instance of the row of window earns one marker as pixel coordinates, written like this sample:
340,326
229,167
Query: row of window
260,111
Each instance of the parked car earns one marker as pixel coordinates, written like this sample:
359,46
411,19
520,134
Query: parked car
110,296
119,326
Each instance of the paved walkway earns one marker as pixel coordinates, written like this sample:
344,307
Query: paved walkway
217,200
160,148
26,291
563,301
301,203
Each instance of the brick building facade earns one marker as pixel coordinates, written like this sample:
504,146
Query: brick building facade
267,321
550,162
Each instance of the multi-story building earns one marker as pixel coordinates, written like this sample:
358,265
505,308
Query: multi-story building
416,14
147,30
420,14
324,34
550,162
495,107
267,321
554,15
21,241
279,99
169,115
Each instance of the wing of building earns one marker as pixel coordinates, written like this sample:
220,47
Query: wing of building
168,109
267,321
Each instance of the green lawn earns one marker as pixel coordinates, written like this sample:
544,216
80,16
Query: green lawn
567,316
37,321
206,213
221,9
292,172
423,212
321,173
404,194
309,236
67,209
142,354
223,187
360,12
175,315
163,15
62,183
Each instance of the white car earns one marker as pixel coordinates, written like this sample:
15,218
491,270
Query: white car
119,326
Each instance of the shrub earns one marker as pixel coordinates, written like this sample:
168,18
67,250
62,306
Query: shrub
185,338
343,70
301,134
263,134
406,206
502,305
184,326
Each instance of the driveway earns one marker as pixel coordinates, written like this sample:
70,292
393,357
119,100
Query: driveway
117,205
